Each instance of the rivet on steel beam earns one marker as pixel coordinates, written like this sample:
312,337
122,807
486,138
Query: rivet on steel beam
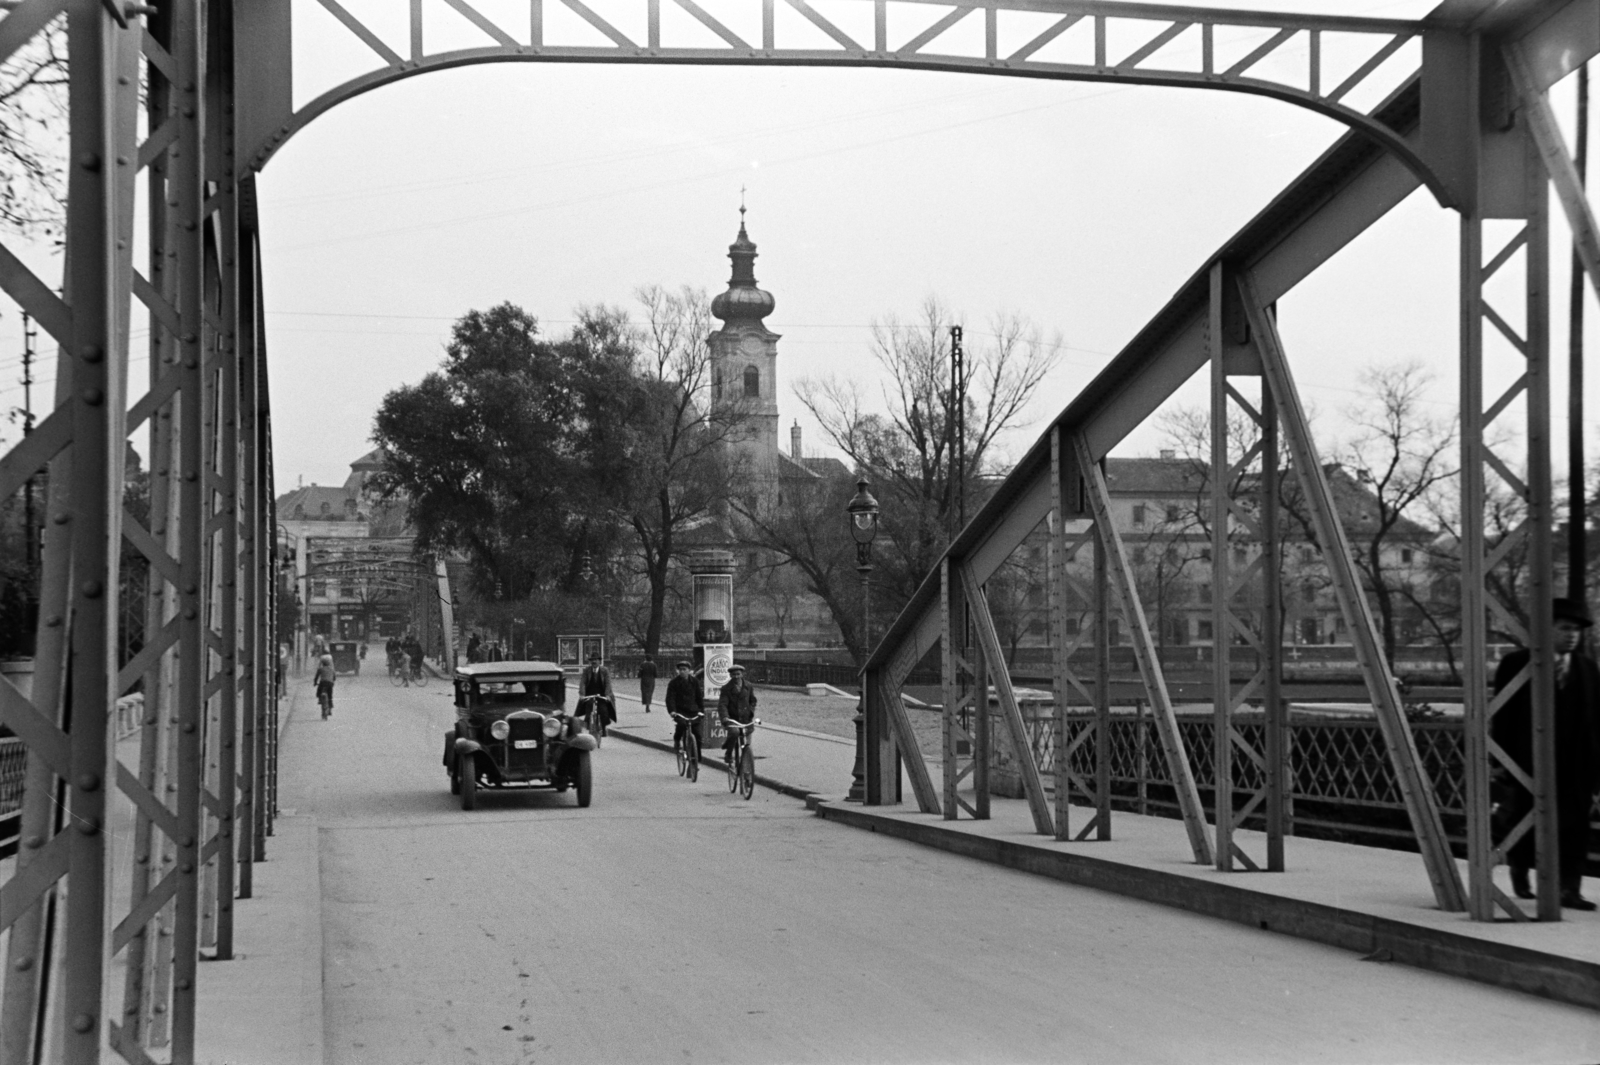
122,160
186,867
186,841
23,964
89,161
182,985
143,859
93,396
83,1022
88,825
33,843
88,782
191,588
123,79
188,726
92,589
61,517
92,353
53,621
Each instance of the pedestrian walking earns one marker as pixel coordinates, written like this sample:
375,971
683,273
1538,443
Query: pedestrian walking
647,681
472,647
1577,741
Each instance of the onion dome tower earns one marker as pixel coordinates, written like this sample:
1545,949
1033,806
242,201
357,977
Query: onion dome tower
744,352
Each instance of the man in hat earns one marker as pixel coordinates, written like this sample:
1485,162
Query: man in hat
1577,742
647,681
596,680
685,700
736,702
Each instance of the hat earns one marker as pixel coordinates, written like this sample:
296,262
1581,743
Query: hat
1571,610
594,656
684,665
735,668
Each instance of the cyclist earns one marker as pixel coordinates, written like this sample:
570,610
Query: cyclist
323,679
684,700
596,680
737,702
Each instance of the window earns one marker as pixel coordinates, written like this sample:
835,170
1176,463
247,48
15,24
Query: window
1241,555
1405,555
1205,554
1205,593
1071,625
1308,553
1138,513
752,382
1172,512
1202,629
1308,592
1138,556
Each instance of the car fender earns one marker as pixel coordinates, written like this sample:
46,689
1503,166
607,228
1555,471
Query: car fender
582,742
466,746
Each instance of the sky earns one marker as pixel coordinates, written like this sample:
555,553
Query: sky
1080,206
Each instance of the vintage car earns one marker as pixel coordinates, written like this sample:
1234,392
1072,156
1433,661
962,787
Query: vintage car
346,655
513,730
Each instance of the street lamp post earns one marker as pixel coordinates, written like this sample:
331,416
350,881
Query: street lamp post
863,517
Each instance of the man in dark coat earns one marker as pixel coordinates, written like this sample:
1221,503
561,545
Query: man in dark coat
1577,742
647,681
685,699
737,702
596,680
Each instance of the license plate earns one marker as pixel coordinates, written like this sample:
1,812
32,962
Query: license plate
523,745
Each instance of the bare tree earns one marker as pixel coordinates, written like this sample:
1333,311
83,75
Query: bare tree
906,451
33,141
683,467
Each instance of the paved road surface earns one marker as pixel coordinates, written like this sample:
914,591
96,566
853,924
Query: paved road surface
672,922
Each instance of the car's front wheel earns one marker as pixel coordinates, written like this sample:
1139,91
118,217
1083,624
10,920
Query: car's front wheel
584,776
469,781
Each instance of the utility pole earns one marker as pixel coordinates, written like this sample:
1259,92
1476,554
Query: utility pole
958,431
30,337
1577,487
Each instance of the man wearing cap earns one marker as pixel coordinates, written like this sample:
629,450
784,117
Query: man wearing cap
736,701
1577,742
685,699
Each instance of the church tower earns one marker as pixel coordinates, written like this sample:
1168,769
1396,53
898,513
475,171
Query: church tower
744,353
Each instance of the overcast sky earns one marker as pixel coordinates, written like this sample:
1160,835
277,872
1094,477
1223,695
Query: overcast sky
1081,206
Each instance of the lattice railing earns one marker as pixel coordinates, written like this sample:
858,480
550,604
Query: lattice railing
1333,762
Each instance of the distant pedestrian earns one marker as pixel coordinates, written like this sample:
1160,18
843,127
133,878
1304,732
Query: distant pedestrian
596,680
282,666
472,647
647,681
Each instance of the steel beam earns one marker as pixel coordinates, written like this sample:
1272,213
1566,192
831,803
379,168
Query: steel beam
1124,589
989,640
1416,789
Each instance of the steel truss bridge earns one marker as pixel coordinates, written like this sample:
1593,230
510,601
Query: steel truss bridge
174,107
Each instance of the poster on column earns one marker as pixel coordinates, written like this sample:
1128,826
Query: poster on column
719,656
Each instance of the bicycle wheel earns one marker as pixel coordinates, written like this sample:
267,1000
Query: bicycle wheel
421,678
747,772
733,768
692,756
396,677
683,757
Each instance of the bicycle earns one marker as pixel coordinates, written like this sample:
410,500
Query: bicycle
325,700
419,676
594,710
689,750
397,675
741,761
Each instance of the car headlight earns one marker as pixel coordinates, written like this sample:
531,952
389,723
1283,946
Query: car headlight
552,727
500,729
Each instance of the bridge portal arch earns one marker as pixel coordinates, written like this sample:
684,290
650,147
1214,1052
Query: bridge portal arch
1337,66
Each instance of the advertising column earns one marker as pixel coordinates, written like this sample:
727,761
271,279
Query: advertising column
713,633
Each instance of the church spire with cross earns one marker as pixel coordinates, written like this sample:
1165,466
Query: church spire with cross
744,352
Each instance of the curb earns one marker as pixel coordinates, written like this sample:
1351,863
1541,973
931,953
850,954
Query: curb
810,798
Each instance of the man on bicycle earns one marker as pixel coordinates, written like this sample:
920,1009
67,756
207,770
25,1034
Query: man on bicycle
323,679
685,700
596,680
736,701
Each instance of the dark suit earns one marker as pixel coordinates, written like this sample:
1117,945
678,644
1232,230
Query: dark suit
685,699
1577,736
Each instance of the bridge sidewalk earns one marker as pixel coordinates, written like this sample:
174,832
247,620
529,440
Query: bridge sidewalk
1366,899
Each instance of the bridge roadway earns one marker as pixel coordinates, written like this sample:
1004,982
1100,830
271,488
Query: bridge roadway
674,922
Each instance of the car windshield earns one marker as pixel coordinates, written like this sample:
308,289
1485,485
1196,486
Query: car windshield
521,690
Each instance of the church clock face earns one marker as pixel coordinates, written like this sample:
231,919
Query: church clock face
752,345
